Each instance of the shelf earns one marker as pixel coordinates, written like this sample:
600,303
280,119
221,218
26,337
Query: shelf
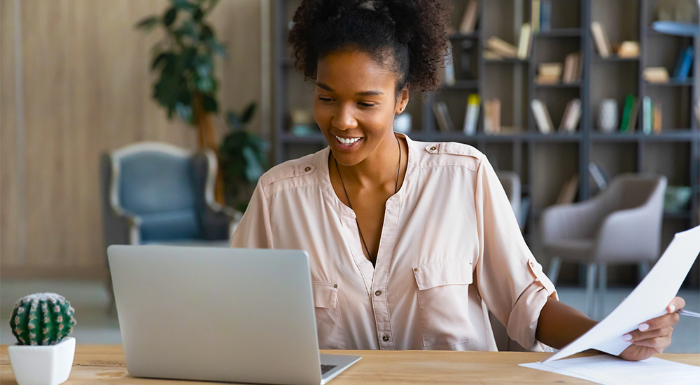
669,136
685,214
462,85
615,59
559,85
464,36
560,32
672,83
507,61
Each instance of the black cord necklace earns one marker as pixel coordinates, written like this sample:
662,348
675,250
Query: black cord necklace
396,189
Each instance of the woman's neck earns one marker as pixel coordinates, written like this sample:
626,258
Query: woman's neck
377,170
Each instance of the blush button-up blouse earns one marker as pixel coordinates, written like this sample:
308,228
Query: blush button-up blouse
450,250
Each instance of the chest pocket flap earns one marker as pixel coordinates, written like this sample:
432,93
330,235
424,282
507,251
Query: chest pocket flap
451,272
325,295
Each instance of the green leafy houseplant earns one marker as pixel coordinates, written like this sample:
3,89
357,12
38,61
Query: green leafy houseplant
243,158
185,62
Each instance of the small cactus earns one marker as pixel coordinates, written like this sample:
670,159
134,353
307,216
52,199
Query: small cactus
42,319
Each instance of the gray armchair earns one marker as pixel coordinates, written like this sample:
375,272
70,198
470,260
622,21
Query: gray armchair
620,225
158,193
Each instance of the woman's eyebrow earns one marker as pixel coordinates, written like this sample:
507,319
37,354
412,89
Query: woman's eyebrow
361,93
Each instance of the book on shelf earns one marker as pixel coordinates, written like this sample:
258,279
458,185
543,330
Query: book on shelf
542,118
657,117
572,68
535,15
600,178
549,73
567,195
627,113
628,49
632,126
572,115
471,14
492,55
502,47
656,75
443,117
647,115
601,39
525,41
685,61
545,15
450,78
471,117
492,117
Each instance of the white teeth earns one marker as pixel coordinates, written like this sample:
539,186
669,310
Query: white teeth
347,141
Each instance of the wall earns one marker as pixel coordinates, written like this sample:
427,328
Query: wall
85,86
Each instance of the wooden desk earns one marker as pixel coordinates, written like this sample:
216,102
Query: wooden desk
105,364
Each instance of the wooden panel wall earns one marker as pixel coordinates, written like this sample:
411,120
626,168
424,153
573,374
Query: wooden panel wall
87,87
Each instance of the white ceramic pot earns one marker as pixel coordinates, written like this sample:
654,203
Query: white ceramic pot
42,365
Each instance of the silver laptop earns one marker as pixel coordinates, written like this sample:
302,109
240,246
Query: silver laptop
219,314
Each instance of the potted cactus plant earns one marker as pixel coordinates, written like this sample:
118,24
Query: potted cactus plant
44,353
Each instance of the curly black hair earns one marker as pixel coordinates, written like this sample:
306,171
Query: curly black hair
409,36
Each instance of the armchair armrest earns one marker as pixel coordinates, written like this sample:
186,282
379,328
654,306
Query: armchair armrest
570,221
629,235
217,213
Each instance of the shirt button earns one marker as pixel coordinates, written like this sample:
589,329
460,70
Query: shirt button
385,338
415,269
307,169
433,148
378,293
335,286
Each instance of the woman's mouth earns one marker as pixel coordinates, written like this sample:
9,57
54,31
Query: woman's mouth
347,143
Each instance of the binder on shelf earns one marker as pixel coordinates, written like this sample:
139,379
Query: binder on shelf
657,117
572,68
502,47
535,14
545,15
598,175
525,41
492,117
450,78
601,39
471,117
542,118
632,126
469,18
627,113
647,115
443,117
568,191
685,61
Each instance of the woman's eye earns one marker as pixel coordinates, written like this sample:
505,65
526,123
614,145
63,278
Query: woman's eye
325,99
366,104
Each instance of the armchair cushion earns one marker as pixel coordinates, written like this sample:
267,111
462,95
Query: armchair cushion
179,224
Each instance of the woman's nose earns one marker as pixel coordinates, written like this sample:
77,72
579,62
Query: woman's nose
344,119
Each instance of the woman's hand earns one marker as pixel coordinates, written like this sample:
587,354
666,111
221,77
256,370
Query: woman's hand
653,336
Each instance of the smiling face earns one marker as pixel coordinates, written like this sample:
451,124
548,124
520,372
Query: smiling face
354,105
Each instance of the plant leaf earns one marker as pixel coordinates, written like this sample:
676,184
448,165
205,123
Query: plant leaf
248,113
210,104
159,58
148,23
253,170
170,16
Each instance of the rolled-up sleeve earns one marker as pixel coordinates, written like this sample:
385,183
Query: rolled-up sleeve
254,230
509,279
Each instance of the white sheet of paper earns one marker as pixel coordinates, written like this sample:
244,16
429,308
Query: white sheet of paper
605,369
648,300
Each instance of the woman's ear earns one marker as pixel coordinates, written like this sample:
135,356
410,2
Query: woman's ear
402,100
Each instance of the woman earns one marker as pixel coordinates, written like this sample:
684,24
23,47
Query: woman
408,241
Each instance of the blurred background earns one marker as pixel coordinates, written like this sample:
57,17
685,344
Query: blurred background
149,121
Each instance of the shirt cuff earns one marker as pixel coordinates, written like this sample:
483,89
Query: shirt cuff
522,323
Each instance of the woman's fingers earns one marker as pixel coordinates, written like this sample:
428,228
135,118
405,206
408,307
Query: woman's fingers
676,304
638,336
658,343
653,327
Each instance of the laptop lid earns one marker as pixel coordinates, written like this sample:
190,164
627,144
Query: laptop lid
217,314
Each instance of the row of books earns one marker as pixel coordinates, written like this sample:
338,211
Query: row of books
553,73
626,49
681,72
541,15
498,49
569,121
651,115
471,117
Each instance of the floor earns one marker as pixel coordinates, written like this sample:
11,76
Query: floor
97,326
